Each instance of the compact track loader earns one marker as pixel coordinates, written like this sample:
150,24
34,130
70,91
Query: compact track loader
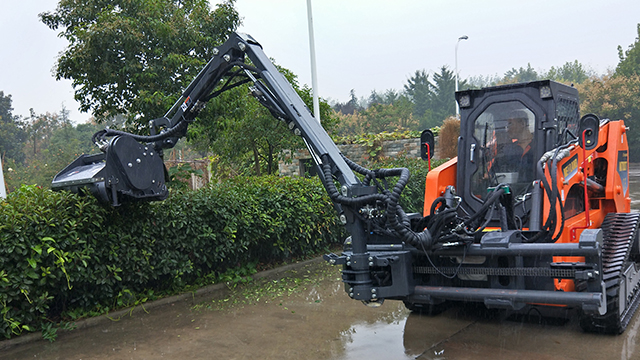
533,212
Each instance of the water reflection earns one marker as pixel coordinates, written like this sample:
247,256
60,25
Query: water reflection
629,347
377,338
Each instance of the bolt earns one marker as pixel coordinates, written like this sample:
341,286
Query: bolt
332,261
350,289
216,51
348,263
241,46
151,153
226,57
130,165
144,154
345,190
348,258
138,161
370,258
374,296
371,263
343,219
297,132
373,291
351,295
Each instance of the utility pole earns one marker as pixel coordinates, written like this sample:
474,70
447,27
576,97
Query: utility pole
314,75
464,37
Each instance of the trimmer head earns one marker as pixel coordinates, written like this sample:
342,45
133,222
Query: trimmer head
126,171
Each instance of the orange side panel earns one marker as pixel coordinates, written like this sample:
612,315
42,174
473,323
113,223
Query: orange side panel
437,181
618,190
612,147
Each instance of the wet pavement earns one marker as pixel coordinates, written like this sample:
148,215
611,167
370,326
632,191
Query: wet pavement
310,317
307,315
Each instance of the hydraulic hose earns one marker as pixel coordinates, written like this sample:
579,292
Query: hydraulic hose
391,200
495,196
180,126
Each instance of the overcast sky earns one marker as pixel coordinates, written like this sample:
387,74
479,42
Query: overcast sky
360,44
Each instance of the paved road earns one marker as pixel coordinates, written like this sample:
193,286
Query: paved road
312,318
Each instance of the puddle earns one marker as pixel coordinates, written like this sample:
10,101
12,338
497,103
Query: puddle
385,335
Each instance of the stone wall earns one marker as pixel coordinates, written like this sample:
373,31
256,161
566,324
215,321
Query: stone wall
293,163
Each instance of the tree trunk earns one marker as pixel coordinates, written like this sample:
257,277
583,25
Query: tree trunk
256,158
270,169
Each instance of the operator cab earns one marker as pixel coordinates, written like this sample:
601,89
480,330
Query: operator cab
504,130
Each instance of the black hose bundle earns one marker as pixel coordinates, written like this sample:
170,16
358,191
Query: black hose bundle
393,209
174,131
553,195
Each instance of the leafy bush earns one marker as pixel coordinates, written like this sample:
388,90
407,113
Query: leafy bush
63,256
180,176
47,253
449,134
383,136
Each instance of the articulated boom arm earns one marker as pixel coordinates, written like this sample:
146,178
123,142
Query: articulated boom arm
269,87
228,68
131,166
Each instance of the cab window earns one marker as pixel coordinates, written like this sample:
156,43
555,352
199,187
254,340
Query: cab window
505,134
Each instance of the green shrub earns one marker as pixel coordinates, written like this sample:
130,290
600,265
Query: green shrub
64,255
449,133
47,242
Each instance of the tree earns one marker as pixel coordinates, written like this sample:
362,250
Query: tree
243,132
433,101
418,90
570,72
480,81
614,97
350,107
53,143
134,57
375,98
442,96
351,124
630,59
12,136
389,97
40,127
520,75
381,117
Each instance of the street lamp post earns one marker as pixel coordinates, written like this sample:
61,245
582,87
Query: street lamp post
314,75
464,37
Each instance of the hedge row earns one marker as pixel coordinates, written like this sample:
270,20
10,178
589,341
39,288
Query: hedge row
61,253
64,255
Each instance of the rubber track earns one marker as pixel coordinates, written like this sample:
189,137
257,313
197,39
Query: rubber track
619,231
